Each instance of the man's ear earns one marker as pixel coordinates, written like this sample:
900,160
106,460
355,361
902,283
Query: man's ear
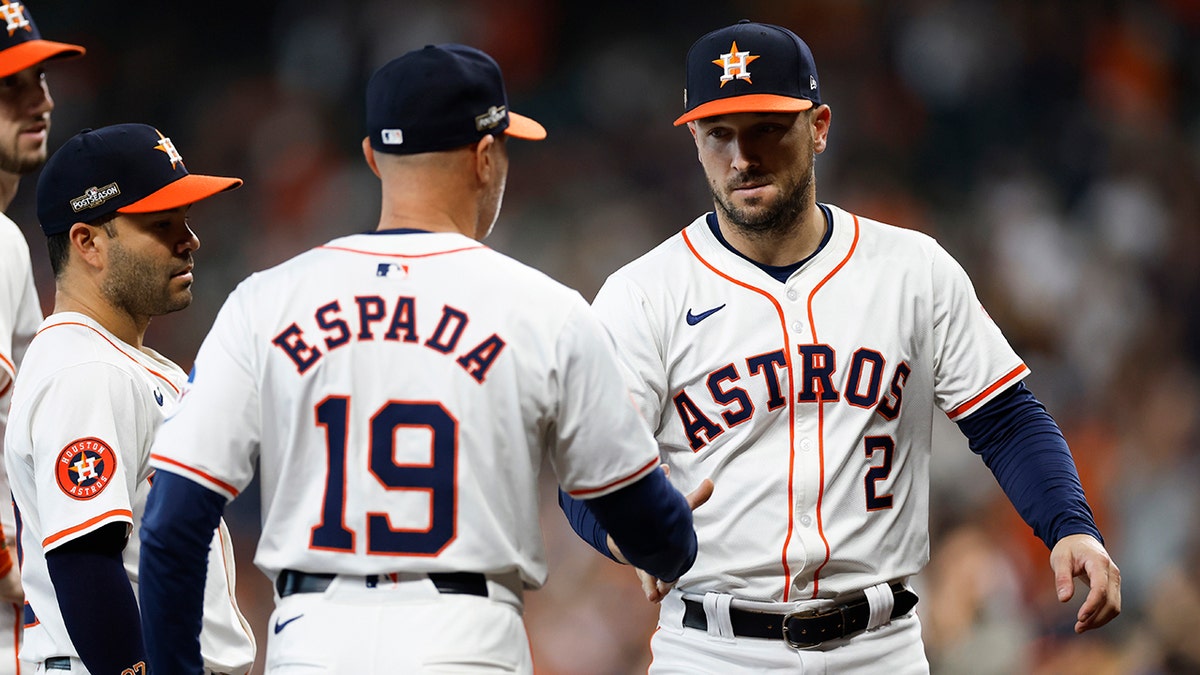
369,154
86,243
821,118
485,163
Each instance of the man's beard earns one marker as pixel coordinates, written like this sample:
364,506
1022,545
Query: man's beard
783,216
135,285
21,164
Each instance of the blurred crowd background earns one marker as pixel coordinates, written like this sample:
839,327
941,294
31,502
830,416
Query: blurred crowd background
1053,146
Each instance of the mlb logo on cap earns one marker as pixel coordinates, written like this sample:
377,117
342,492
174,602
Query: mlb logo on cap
749,67
439,98
21,45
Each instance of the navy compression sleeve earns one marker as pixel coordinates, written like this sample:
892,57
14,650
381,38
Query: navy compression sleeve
650,521
177,529
584,523
1026,451
87,573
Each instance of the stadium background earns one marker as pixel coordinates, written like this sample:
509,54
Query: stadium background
1052,146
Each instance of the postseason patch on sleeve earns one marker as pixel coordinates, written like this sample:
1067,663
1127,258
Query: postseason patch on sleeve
85,468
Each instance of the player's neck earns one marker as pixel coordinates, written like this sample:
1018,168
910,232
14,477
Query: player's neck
436,192
785,245
128,328
455,211
8,188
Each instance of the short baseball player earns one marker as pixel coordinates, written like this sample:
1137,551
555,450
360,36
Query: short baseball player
24,130
399,391
90,395
795,353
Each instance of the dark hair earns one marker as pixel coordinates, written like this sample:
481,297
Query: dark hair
59,245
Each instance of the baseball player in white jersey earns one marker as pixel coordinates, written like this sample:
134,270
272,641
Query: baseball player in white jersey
25,106
795,353
400,390
90,395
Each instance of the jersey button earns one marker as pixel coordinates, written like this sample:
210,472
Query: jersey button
806,520
798,326
806,445
792,295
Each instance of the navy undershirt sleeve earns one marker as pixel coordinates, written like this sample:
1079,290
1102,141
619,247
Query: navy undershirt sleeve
1024,448
649,520
584,523
88,573
176,532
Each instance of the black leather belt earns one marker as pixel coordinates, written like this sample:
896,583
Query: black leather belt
290,582
804,629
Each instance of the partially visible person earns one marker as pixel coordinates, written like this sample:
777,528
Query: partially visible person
398,391
113,203
796,354
25,107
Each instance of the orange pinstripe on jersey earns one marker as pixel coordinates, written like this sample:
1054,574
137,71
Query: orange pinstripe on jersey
224,486
7,364
821,410
787,572
1009,377
374,254
644,470
791,404
86,524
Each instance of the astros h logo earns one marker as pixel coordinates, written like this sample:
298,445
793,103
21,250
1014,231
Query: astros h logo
736,64
14,17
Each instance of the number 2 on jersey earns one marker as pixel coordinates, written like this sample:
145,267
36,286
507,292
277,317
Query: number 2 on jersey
437,477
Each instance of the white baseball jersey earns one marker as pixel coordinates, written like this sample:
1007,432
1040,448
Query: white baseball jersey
808,403
399,391
85,410
20,314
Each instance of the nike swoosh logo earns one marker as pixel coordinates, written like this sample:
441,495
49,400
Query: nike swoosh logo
280,626
694,319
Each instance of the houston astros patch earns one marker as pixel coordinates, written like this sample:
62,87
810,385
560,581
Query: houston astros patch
85,467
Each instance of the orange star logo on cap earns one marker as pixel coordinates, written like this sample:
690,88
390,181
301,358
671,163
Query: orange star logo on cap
736,64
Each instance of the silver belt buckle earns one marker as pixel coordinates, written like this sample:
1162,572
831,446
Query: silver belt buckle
810,642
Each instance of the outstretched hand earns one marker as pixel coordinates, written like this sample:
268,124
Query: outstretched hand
1080,555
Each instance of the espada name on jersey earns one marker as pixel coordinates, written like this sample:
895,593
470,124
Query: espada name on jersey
815,364
371,317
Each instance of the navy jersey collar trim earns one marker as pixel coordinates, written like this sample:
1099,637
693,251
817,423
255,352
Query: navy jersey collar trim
780,273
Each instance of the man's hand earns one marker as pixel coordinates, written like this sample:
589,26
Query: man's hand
656,589
1080,555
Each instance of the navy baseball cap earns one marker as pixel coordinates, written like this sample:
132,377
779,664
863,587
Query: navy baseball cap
749,67
124,168
439,98
21,45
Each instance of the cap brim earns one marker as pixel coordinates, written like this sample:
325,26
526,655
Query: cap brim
750,103
21,56
187,190
520,126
